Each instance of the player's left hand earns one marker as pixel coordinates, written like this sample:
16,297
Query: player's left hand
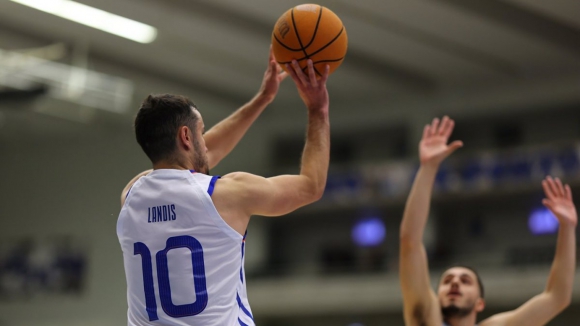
559,201
273,76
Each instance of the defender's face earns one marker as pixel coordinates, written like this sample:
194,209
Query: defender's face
459,288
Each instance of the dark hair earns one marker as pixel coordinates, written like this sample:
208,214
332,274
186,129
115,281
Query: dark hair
479,283
158,121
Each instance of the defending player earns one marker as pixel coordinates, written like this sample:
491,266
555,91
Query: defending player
459,297
182,231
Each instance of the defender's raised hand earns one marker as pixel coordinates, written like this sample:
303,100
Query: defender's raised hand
559,201
273,76
312,90
433,148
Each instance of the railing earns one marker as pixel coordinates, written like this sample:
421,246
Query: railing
470,174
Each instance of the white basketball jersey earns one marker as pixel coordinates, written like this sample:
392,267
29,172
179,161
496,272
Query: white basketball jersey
183,262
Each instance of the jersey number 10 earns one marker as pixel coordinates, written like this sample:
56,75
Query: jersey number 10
170,309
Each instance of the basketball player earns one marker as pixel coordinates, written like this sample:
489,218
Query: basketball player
182,231
460,295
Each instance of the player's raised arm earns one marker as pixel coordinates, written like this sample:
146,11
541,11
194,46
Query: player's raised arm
282,194
224,136
420,302
556,297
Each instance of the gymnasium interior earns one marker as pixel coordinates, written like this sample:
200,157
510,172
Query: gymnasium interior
507,72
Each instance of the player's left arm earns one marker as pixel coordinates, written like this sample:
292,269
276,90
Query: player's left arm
221,139
558,293
125,191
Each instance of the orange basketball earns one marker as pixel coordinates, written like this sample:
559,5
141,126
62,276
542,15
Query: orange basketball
313,32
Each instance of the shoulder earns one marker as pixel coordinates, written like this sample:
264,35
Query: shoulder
426,312
231,200
127,189
496,320
240,180
239,177
240,188
232,183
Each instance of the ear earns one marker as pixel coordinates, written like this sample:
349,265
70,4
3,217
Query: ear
184,138
480,305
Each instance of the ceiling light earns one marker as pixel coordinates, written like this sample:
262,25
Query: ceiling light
95,18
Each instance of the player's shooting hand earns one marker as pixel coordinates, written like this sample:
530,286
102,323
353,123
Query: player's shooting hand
433,148
559,201
312,90
273,76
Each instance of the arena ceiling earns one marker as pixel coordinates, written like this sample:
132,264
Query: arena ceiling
395,46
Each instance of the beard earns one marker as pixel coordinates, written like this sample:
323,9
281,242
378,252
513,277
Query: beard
200,160
453,311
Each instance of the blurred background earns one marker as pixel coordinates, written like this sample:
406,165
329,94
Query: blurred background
508,72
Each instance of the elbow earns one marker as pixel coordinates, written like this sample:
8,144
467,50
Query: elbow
562,304
405,243
409,241
314,193
410,234
565,302
316,187
405,236
561,301
318,193
319,189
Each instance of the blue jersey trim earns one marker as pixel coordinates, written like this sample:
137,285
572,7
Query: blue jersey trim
212,184
244,243
244,308
128,192
242,268
242,323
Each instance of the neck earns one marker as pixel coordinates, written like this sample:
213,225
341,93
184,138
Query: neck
462,321
174,164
